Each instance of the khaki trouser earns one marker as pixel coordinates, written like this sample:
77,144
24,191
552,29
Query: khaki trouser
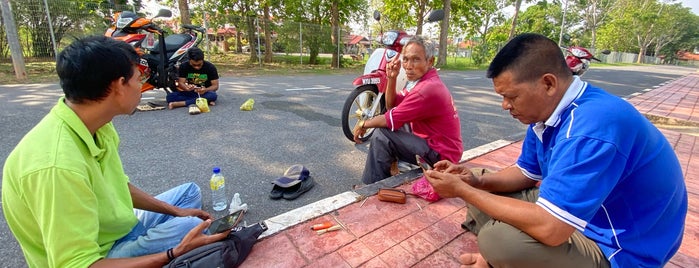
505,246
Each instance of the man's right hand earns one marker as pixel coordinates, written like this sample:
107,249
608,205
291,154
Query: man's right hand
196,238
359,131
393,68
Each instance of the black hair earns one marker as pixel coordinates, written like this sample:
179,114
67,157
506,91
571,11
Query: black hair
87,66
195,54
529,56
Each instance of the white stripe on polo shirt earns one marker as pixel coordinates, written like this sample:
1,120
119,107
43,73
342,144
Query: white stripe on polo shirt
562,215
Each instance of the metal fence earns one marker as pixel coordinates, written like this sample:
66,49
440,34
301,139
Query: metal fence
70,19
40,40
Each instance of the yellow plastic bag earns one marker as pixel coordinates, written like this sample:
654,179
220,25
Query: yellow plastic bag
247,105
203,105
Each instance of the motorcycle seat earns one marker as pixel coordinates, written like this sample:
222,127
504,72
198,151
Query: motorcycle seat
173,43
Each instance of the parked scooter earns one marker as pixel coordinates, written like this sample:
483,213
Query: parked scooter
163,56
579,58
367,99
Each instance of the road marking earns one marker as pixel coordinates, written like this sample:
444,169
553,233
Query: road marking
472,78
306,88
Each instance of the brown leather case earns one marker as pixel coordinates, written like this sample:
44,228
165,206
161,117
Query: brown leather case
392,195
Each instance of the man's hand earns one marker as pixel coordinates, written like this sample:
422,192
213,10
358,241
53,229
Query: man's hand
200,90
359,131
446,184
196,238
464,173
393,67
184,212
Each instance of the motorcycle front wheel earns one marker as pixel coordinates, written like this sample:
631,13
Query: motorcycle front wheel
358,107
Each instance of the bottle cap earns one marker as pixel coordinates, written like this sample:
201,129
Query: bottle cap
217,170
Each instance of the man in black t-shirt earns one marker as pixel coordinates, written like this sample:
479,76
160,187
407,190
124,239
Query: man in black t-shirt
197,77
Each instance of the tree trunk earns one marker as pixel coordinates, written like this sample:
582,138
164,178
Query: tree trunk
641,54
268,34
336,39
252,39
420,17
443,34
514,19
184,12
13,40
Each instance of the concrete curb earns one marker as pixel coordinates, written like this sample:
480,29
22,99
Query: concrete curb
288,219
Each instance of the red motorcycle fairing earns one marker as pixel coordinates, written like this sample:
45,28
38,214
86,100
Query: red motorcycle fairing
377,78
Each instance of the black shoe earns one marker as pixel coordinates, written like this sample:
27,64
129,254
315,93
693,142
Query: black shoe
295,191
277,192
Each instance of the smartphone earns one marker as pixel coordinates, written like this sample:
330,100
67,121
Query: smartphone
422,163
226,223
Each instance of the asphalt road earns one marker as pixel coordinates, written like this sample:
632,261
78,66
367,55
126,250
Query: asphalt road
296,120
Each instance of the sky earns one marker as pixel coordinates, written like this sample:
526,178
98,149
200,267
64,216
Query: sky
694,4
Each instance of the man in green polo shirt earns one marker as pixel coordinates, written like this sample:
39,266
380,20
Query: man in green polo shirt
65,195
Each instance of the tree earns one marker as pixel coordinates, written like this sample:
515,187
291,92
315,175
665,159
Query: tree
638,19
543,18
319,13
476,19
184,12
66,16
675,22
595,13
443,34
402,14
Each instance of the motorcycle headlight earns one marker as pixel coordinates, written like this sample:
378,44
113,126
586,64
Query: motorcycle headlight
389,38
123,22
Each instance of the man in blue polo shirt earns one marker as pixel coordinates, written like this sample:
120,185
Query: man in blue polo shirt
611,188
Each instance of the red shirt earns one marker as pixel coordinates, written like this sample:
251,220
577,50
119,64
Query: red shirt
430,111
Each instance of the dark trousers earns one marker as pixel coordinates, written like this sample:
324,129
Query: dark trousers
190,97
503,245
388,146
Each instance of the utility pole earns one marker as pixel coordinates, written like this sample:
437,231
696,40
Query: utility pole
13,40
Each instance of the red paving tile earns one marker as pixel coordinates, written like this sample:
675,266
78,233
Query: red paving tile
438,259
418,246
356,253
398,257
423,234
331,260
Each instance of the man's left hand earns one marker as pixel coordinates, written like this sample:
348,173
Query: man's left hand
446,184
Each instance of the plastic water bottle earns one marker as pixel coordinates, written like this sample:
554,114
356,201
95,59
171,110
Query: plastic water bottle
218,190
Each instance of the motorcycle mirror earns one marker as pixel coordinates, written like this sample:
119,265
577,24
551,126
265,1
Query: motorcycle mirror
606,52
377,15
566,38
435,15
164,13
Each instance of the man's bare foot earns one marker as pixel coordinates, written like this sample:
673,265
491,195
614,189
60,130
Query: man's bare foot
212,103
394,168
473,260
176,104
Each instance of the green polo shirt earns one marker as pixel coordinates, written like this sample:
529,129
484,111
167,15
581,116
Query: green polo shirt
64,193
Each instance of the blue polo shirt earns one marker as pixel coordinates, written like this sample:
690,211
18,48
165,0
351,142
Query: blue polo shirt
608,172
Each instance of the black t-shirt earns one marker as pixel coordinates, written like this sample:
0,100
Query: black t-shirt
201,77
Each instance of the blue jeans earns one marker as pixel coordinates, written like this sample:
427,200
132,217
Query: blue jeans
190,97
156,232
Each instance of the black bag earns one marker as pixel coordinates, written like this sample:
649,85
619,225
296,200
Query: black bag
229,252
